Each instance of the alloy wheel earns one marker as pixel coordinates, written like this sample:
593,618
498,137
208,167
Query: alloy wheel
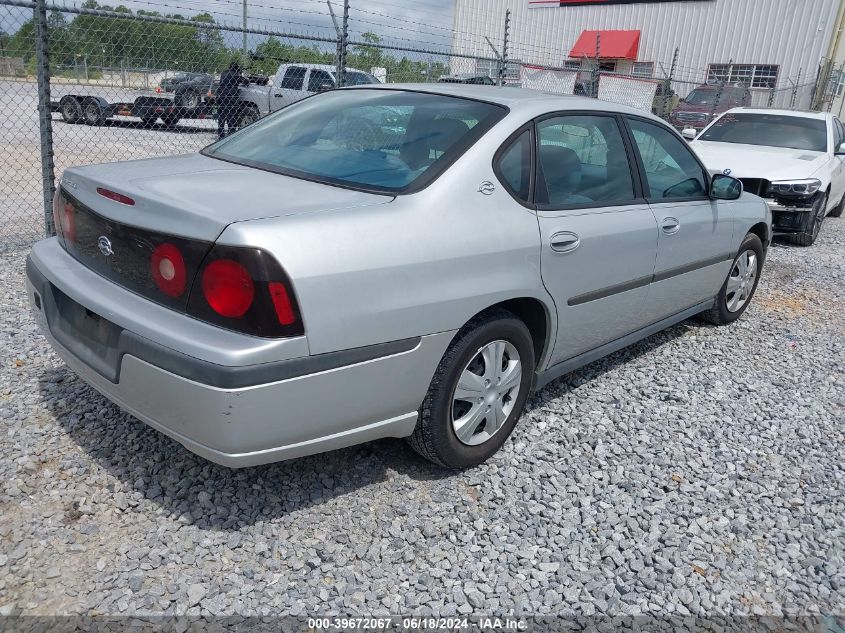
741,281
487,389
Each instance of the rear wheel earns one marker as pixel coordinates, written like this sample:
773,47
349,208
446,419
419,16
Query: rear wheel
814,223
148,121
93,112
477,393
71,109
739,288
170,120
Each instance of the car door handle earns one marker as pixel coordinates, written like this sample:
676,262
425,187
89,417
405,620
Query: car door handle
565,242
670,226
278,94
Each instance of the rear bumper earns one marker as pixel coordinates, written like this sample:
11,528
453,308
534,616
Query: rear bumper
315,407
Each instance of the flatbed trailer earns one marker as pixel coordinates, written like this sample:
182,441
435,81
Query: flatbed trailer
94,110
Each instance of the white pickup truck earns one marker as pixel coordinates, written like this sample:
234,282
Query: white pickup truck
292,83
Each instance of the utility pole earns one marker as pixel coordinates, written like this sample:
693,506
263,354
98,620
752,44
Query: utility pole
245,31
338,54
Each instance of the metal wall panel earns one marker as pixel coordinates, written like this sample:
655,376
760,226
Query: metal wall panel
795,34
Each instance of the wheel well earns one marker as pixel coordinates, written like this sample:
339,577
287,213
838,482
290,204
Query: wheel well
533,313
761,231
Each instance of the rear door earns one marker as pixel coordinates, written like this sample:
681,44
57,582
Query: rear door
599,236
289,87
695,233
317,79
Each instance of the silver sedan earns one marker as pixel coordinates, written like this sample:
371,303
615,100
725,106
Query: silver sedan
386,262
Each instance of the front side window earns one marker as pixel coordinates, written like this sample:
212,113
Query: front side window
582,160
670,167
355,78
294,78
770,130
381,140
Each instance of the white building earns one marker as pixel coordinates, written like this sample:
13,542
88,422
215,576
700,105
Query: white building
773,46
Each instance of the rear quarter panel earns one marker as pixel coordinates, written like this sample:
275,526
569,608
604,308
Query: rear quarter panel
423,264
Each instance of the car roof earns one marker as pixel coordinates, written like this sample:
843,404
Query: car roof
328,67
804,114
513,98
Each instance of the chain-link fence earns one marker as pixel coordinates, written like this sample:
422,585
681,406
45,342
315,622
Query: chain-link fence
89,84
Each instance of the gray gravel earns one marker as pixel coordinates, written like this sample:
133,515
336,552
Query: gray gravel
698,472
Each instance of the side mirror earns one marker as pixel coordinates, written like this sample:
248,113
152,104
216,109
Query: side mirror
689,133
724,187
840,151
325,85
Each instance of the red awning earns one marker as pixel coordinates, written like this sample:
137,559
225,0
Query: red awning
612,45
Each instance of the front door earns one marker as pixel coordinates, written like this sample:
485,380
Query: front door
599,236
289,87
695,249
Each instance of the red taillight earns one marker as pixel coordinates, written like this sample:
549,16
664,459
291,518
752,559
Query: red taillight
158,89
64,218
117,197
168,269
282,303
228,288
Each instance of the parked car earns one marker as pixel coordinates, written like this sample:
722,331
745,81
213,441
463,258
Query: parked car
169,84
291,83
795,160
701,106
287,291
467,78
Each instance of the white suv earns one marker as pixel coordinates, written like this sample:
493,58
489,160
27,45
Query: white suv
795,160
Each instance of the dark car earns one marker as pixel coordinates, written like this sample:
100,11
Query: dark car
706,103
169,84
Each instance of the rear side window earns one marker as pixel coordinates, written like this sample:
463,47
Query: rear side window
317,79
514,167
671,169
294,78
581,160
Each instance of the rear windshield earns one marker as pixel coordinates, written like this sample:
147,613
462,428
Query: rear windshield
770,130
377,140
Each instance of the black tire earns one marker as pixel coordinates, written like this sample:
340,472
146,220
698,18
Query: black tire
93,113
248,116
149,121
170,120
434,437
720,314
70,109
188,99
837,210
814,222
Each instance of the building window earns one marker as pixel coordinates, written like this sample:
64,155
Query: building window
751,75
607,67
572,64
643,70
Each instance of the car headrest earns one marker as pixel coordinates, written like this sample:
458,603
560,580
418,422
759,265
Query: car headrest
561,167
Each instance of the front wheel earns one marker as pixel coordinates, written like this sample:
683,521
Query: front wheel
94,114
814,223
739,288
249,115
477,393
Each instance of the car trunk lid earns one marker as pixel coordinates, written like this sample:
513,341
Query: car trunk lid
196,196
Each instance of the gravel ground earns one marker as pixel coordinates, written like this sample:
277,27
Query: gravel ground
698,472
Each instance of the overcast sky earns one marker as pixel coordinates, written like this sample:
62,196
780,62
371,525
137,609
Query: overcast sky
425,22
